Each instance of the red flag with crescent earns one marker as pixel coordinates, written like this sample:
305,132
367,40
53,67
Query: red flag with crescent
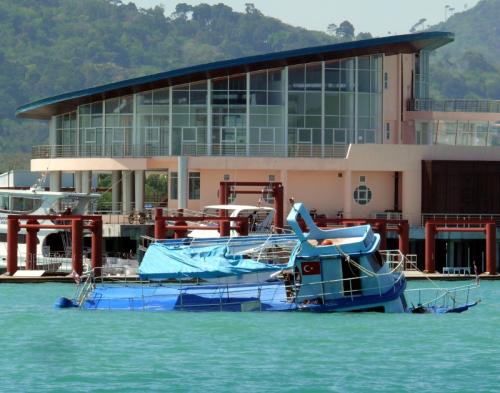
310,268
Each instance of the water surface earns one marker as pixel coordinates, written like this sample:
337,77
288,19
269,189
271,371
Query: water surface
49,350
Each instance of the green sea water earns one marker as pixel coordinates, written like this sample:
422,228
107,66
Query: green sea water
49,350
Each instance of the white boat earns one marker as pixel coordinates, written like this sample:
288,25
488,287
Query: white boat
260,220
53,245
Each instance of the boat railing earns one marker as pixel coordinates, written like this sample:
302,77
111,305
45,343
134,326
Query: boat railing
87,282
84,288
440,297
395,257
219,291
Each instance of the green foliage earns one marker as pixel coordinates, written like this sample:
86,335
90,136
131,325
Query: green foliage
156,186
469,67
50,47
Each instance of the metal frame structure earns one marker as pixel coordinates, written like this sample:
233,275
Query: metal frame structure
76,224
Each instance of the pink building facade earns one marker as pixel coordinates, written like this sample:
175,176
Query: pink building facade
346,128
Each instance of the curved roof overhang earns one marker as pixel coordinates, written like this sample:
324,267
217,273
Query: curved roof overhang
408,43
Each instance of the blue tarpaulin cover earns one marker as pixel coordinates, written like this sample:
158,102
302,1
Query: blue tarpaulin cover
163,262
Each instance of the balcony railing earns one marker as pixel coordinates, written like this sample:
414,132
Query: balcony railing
429,105
465,217
191,149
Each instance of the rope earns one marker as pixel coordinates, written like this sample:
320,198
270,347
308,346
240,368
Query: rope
354,263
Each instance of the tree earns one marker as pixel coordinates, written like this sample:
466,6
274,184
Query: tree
420,23
181,11
363,36
345,31
332,29
251,10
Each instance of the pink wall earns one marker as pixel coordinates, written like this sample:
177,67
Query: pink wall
319,190
381,185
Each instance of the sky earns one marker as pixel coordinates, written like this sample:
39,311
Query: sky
378,17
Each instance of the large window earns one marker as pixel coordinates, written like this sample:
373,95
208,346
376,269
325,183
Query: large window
66,133
422,80
304,108
174,185
189,119
229,133
194,185
119,126
353,100
153,121
322,104
266,113
461,133
91,129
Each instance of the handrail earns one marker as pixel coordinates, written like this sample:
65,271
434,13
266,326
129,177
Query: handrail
431,105
195,149
440,294
460,216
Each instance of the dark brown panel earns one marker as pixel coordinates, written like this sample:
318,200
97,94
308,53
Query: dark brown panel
462,187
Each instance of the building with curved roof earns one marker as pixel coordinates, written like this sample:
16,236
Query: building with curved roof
347,128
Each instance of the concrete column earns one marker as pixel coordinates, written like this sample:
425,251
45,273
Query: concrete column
86,181
55,181
139,190
115,190
411,196
182,182
126,192
77,180
347,194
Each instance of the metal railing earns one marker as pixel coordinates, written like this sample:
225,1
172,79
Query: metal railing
395,258
430,105
464,217
191,149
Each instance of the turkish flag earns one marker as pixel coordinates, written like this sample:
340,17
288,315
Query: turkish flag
310,268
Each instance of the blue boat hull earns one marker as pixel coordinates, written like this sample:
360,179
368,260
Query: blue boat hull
234,298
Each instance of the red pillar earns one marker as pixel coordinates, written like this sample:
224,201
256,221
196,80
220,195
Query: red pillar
77,245
430,245
223,193
180,233
12,241
31,241
97,246
159,224
491,252
404,237
242,227
278,206
224,228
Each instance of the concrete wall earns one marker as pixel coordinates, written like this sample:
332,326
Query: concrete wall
381,185
323,191
315,181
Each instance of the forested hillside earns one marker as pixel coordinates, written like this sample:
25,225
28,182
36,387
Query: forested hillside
470,66
53,46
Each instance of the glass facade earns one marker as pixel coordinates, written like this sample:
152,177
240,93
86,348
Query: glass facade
304,110
266,113
457,133
422,78
152,113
